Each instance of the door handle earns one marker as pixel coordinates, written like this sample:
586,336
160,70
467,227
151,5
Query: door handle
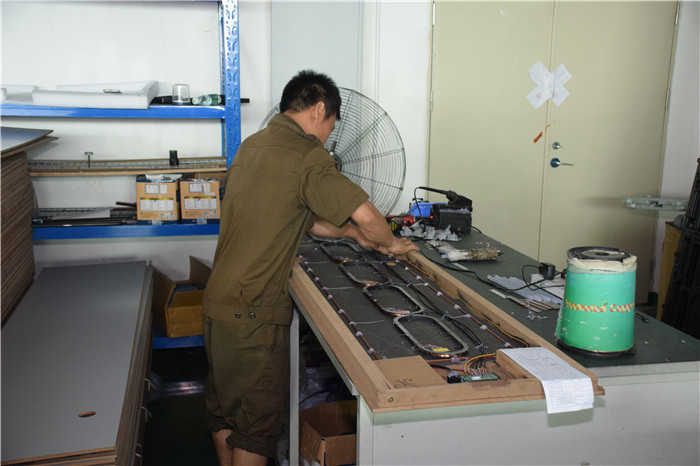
556,145
555,162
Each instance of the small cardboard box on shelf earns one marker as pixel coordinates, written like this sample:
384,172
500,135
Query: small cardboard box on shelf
200,197
157,199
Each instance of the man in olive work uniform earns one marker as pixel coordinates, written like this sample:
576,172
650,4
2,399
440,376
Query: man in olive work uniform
282,184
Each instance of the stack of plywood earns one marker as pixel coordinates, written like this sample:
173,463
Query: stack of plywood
74,364
17,203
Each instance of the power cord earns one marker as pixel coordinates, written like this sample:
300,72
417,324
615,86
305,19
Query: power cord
490,283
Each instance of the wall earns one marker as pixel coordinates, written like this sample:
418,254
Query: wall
395,74
395,53
295,47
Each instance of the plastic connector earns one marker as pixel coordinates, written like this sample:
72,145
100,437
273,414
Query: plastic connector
547,270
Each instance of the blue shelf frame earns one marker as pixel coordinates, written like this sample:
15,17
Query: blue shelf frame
162,342
125,231
230,77
153,111
229,114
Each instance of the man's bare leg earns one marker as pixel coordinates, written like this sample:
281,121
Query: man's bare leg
246,458
236,456
223,451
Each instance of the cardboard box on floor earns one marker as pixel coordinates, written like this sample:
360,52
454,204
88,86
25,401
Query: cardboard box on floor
328,433
177,305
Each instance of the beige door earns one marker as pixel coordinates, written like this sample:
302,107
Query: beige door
482,127
486,146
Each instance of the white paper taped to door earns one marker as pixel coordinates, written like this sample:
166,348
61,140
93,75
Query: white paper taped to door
549,85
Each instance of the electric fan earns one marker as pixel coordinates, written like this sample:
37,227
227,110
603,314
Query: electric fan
367,148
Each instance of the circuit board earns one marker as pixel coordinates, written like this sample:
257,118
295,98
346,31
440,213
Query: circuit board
395,309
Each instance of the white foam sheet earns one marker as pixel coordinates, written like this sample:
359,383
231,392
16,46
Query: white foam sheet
66,350
134,95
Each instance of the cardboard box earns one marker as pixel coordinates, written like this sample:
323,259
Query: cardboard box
328,433
200,197
177,305
157,199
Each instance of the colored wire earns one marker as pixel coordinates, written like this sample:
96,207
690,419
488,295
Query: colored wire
470,307
476,360
496,285
330,298
529,285
428,304
444,367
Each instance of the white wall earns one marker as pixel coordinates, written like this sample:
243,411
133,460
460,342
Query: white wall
333,49
177,42
395,74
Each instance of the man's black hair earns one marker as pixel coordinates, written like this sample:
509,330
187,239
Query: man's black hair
306,89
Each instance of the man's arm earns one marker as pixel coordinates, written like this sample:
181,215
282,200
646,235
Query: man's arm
322,227
372,231
373,226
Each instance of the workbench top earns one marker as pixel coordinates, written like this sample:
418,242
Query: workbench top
654,341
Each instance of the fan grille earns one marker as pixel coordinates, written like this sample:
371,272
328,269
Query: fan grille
367,148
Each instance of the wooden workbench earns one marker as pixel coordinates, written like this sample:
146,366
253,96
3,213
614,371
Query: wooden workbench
648,415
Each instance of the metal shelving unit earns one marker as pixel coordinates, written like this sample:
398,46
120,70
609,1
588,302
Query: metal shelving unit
229,114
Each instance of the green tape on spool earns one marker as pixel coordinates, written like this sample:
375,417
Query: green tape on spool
597,314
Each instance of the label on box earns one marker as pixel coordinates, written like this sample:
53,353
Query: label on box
157,204
200,203
151,188
195,187
157,188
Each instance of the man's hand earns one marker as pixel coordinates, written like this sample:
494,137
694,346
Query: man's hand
374,227
401,248
372,231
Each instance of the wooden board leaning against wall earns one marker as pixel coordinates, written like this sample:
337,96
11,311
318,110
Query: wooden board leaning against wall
17,204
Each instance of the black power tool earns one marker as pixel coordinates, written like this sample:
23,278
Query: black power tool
457,213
